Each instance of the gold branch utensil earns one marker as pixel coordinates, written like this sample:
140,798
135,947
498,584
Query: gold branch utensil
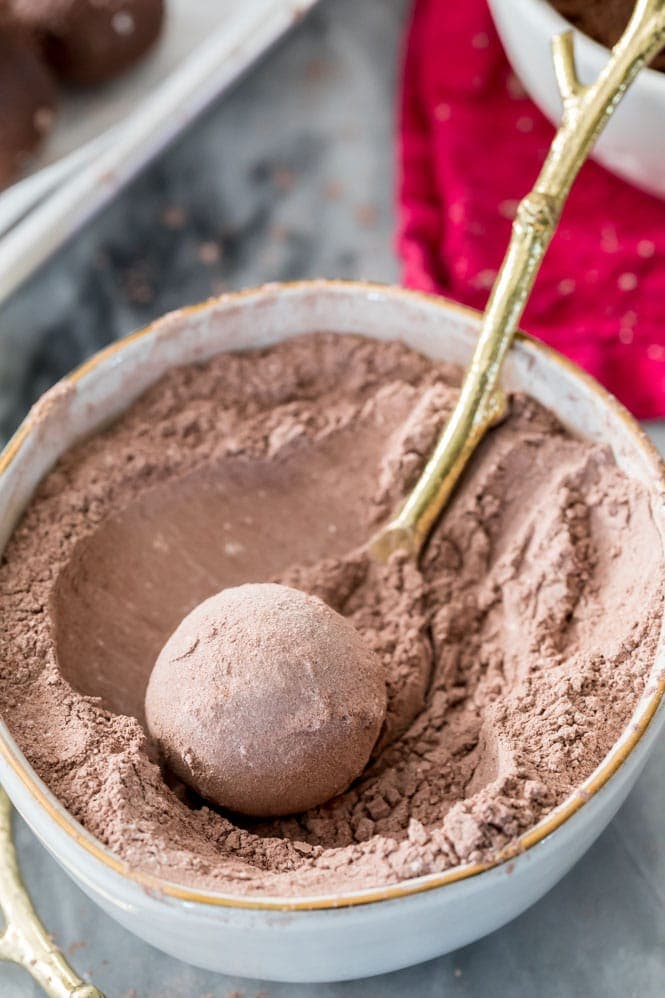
25,940
482,402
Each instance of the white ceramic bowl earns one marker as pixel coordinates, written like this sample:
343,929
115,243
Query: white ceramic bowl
633,143
342,935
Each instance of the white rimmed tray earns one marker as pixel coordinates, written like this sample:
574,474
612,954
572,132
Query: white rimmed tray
104,136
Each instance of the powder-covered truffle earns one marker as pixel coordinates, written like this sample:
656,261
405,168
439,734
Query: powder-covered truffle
266,701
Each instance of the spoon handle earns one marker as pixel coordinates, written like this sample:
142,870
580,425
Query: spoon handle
481,403
24,939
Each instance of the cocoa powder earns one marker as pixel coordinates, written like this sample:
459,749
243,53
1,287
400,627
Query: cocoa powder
514,653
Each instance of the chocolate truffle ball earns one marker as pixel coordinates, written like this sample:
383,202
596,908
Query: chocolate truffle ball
265,701
89,41
27,100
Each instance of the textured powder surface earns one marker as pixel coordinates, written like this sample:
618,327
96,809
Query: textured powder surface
266,701
514,654
602,20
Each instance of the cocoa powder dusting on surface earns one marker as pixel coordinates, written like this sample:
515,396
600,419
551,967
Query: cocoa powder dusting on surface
514,653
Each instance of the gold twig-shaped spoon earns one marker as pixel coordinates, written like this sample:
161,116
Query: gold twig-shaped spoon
25,940
586,110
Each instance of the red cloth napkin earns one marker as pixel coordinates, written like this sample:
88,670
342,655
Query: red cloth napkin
471,146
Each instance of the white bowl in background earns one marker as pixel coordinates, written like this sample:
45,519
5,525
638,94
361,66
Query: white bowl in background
342,935
633,143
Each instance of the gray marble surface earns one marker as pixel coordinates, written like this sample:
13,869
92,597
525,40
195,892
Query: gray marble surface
289,176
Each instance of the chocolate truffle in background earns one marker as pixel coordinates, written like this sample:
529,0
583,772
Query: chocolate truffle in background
90,41
266,701
602,20
27,99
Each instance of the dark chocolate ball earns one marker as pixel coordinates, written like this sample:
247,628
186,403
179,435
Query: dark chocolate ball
27,100
89,41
